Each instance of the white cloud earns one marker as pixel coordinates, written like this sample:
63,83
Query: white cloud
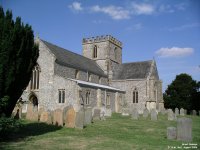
143,9
117,13
76,6
174,52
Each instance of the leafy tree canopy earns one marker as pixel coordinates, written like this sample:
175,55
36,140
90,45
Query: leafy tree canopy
183,92
18,56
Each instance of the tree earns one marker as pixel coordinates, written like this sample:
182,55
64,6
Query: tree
183,92
18,56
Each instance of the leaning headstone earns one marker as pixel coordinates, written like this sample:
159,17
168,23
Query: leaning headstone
125,112
171,133
194,112
154,114
184,129
88,116
176,111
96,114
182,112
79,122
171,116
70,118
46,117
58,117
145,113
135,114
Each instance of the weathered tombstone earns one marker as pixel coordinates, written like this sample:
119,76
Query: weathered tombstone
176,111
102,113
58,117
171,115
108,113
17,112
194,112
96,114
154,114
185,111
125,112
79,122
163,111
88,116
171,133
145,113
32,113
70,118
182,112
135,114
184,129
46,117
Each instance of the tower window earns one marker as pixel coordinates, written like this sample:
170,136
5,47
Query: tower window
135,96
115,53
61,96
95,52
35,78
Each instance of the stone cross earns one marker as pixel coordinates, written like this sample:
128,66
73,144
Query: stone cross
184,129
154,114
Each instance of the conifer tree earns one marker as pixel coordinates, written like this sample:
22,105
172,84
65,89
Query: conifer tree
18,56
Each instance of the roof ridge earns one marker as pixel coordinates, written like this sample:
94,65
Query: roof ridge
67,50
138,62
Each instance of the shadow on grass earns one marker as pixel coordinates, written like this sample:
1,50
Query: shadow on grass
27,130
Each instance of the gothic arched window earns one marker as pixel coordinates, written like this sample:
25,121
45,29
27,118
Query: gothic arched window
135,96
115,53
95,52
35,78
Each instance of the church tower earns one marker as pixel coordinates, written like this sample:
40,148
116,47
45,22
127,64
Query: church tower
105,50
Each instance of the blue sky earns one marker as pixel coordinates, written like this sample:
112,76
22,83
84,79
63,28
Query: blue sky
167,30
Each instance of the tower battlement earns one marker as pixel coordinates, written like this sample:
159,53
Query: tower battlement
101,39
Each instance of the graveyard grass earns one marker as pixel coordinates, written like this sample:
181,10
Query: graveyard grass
116,133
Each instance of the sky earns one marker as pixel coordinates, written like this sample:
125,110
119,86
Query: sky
165,30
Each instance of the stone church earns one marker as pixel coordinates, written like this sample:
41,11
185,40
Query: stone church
96,79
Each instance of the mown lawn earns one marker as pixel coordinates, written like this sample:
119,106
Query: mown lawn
116,133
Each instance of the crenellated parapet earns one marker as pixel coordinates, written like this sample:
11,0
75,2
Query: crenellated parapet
102,39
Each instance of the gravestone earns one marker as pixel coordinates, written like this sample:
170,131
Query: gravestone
58,117
171,133
70,118
108,113
154,114
135,114
125,112
32,113
182,112
171,116
46,117
194,112
79,122
88,116
185,111
176,111
96,114
102,113
184,129
145,113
